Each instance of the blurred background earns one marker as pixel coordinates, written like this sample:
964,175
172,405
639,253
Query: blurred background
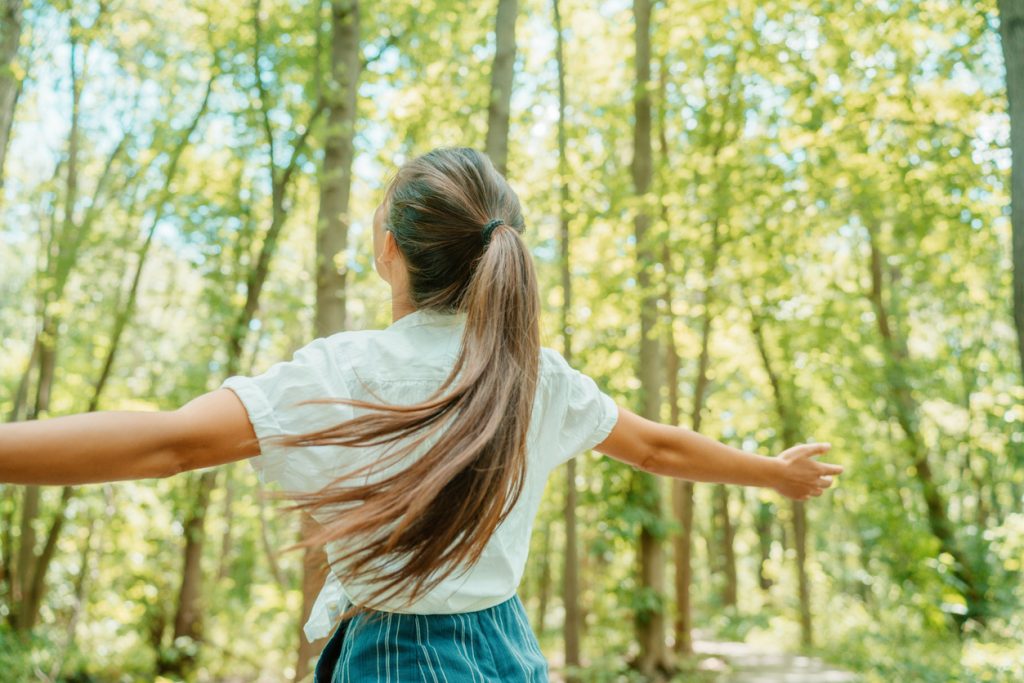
773,222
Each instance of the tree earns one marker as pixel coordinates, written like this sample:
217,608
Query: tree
650,616
11,15
1011,30
502,72
571,578
332,241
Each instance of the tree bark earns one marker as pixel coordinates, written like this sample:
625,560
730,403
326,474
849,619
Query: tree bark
650,619
336,175
570,575
333,220
11,16
188,621
682,498
1011,30
726,536
502,73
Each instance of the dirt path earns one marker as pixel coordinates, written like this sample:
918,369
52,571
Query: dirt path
743,663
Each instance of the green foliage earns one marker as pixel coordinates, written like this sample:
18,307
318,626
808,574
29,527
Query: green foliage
790,138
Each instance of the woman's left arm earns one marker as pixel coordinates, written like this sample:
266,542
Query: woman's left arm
212,429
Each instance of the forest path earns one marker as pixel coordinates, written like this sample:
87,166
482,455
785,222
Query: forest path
745,663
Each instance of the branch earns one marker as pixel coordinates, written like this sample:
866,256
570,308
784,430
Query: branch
264,105
389,42
300,145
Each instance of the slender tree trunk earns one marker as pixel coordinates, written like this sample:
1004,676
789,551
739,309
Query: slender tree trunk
650,619
1011,30
907,412
544,578
682,503
763,526
332,242
268,549
802,582
786,411
224,564
314,571
20,408
502,72
726,535
188,621
570,575
10,81
79,593
336,175
682,491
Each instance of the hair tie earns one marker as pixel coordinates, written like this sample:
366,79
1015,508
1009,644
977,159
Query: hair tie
490,228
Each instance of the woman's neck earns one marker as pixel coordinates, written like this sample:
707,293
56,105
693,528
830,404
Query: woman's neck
401,306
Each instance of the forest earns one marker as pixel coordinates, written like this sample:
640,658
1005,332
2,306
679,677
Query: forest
770,222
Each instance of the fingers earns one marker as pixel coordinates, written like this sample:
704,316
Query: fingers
809,450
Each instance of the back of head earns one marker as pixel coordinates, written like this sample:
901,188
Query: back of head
457,224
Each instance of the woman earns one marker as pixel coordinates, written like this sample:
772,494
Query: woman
422,449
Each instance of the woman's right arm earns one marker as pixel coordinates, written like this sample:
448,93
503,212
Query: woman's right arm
684,454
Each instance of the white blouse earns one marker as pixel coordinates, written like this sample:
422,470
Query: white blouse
402,364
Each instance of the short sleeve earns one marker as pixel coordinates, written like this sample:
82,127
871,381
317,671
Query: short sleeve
587,414
271,401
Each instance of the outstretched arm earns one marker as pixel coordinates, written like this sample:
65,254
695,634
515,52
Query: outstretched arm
684,454
114,445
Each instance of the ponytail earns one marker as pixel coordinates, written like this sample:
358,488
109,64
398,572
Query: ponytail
414,528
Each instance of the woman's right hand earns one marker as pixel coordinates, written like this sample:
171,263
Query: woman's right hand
801,477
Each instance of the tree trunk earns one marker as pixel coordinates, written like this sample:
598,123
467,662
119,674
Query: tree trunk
570,575
10,82
726,535
336,175
803,584
60,657
314,571
789,422
1011,30
682,491
763,526
907,411
224,565
332,243
650,619
188,619
502,72
544,578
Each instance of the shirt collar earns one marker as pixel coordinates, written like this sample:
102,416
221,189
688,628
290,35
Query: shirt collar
424,316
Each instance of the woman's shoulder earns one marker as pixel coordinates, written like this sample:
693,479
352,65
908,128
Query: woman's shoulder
553,363
556,376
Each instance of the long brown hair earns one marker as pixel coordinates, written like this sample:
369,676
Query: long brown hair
413,528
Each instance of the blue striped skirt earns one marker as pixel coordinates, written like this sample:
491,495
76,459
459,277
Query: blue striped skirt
494,644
